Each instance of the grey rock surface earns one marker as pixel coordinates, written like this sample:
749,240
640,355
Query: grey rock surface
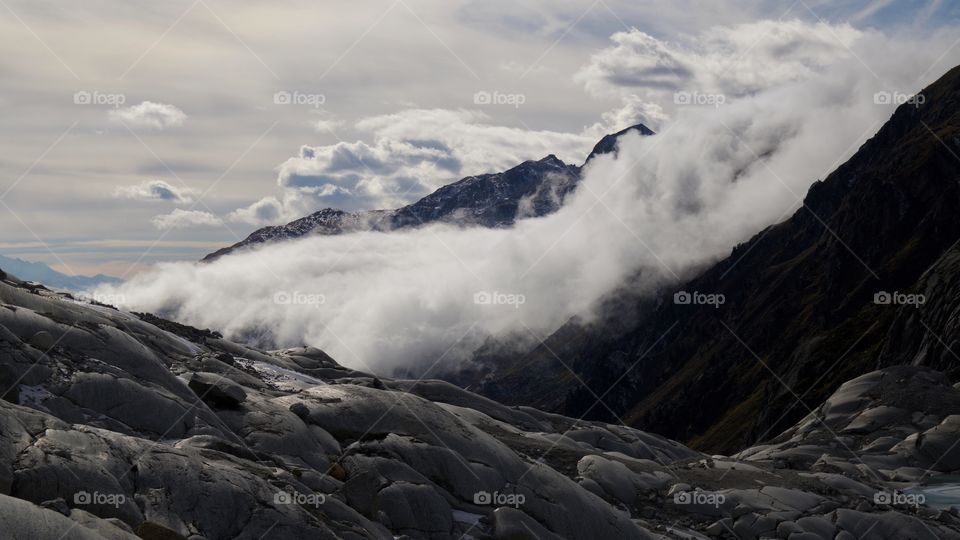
127,429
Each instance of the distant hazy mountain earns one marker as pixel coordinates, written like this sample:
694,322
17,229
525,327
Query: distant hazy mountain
41,273
531,189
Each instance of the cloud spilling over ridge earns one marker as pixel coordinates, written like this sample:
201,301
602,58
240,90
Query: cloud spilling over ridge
664,205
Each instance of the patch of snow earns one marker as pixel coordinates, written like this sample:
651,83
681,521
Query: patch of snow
282,378
724,465
941,496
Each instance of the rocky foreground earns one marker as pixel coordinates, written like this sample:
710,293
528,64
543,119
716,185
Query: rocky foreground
115,425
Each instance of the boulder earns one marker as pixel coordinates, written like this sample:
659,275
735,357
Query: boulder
216,389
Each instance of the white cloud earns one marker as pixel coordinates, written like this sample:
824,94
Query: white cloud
734,62
473,141
182,219
156,190
690,193
272,210
634,110
326,124
266,211
358,175
149,115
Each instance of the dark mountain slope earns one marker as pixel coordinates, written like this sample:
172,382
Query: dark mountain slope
608,144
531,189
799,314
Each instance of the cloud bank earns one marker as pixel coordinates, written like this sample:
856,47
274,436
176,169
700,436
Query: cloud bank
713,176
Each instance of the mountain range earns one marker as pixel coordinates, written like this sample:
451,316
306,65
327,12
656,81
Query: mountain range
42,273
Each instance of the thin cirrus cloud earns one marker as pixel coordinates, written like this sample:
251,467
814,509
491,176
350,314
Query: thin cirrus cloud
149,115
156,190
